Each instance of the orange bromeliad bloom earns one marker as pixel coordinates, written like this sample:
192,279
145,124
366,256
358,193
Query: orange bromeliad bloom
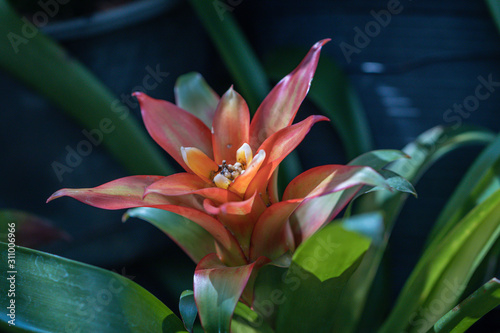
230,184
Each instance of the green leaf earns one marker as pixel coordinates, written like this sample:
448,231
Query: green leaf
193,94
444,270
424,151
192,238
461,317
315,280
187,309
427,148
377,159
396,182
334,95
54,294
494,6
42,64
234,49
246,320
480,181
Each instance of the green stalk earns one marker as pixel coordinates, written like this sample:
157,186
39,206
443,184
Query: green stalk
43,65
234,49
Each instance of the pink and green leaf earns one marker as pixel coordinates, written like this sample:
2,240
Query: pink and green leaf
121,193
217,289
323,186
270,233
185,183
238,217
278,109
277,147
172,127
230,126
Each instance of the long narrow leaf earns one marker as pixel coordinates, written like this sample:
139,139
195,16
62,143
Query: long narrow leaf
461,317
494,6
54,294
42,64
444,270
234,48
427,148
482,179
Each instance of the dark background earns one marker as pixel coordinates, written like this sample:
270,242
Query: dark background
432,54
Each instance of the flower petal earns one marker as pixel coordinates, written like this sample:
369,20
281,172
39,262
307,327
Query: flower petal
193,94
331,178
172,127
186,183
218,288
277,147
269,237
199,163
240,184
238,217
121,193
322,186
279,107
230,126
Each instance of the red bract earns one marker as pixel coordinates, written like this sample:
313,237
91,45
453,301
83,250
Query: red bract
229,187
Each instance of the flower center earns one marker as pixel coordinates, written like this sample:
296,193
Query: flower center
227,173
231,171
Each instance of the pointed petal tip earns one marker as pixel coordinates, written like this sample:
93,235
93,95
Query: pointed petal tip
138,94
322,43
55,195
320,118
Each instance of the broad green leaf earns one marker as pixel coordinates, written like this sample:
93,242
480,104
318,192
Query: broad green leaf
444,270
192,238
187,309
54,294
425,150
234,49
193,94
494,6
480,181
334,95
29,230
42,64
464,315
315,280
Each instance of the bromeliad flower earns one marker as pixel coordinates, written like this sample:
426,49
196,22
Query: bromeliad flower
230,184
